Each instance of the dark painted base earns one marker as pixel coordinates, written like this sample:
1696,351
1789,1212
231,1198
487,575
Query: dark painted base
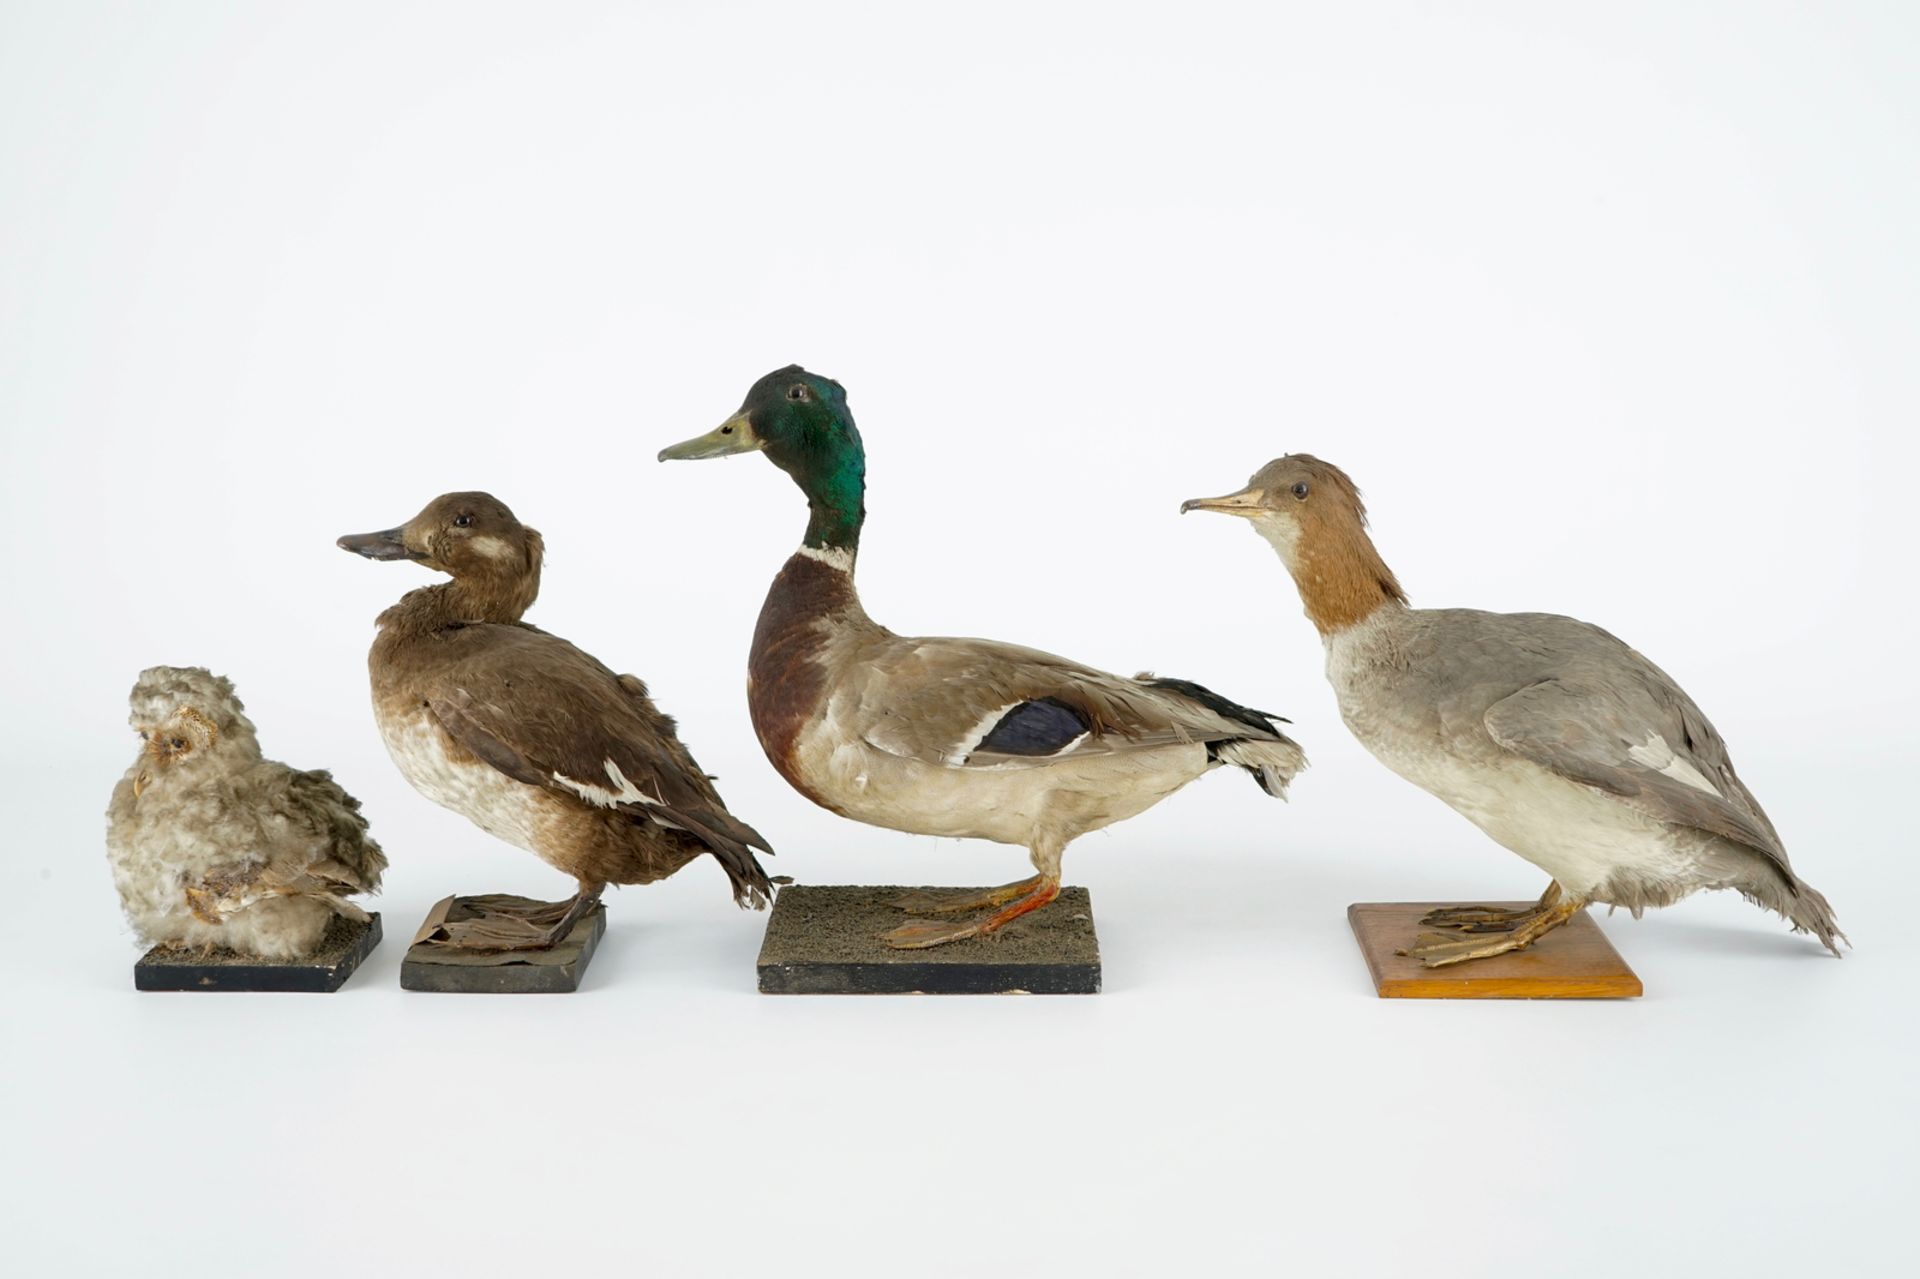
555,971
827,941
346,943
1574,961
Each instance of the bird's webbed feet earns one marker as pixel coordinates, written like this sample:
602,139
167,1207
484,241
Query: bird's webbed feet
1478,919
509,924
920,934
1479,932
1491,919
963,899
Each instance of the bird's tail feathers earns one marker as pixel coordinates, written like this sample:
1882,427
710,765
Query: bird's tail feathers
732,847
1271,764
1801,905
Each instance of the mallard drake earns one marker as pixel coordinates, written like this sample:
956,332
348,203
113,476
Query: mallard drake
958,737
213,845
526,736
1559,741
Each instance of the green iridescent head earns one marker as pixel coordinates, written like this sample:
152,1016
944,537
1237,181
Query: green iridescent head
800,420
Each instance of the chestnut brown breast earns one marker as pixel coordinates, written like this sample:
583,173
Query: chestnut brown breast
786,679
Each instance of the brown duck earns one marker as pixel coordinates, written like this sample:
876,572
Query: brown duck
529,738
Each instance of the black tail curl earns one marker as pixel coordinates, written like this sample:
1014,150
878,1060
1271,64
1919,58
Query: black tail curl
1264,721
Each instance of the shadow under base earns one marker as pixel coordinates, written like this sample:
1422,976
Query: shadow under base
827,941
345,944
557,970
1574,961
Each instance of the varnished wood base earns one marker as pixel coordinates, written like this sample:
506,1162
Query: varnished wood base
1574,961
828,941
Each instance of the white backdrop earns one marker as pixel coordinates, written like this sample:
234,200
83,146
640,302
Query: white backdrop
1610,311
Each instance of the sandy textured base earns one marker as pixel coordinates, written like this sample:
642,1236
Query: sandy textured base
554,971
826,941
346,943
1574,961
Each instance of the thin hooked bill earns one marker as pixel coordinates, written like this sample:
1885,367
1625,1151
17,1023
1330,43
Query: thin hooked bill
1245,502
735,435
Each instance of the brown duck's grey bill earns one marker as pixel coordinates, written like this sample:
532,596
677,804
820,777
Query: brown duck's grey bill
735,435
387,544
1245,502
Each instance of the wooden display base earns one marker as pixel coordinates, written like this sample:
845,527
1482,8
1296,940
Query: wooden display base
827,941
443,969
1574,961
346,943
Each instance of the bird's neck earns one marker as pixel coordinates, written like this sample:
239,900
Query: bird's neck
1341,577
464,601
812,606
833,475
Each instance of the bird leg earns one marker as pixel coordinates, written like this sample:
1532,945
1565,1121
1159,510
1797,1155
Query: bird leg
502,928
919,934
965,898
1437,950
579,908
1489,919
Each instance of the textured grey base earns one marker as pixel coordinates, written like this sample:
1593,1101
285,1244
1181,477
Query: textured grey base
347,942
555,971
827,941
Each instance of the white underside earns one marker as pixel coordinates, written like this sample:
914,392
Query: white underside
488,798
1035,807
1581,836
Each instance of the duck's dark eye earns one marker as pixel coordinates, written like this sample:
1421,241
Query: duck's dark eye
463,521
726,430
1300,490
178,743
798,391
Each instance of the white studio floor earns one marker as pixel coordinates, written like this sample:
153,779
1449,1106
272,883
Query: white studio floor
1236,1102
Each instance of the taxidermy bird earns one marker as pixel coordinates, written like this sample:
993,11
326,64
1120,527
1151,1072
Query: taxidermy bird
960,737
213,846
1559,741
526,736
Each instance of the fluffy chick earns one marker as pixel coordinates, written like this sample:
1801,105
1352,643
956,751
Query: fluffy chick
213,846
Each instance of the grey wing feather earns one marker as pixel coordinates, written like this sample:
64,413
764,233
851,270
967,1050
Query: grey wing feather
1629,730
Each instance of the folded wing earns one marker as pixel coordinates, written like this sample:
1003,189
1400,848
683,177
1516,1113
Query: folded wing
546,714
964,703
1627,729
